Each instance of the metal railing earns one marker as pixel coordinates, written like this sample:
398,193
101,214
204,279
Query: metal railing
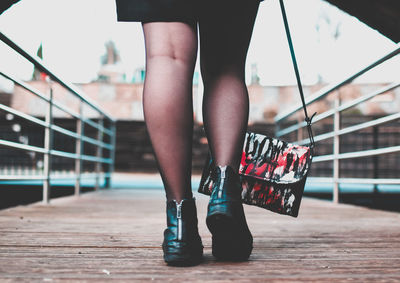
103,124
337,132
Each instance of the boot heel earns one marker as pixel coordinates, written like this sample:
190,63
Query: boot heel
229,241
182,244
231,238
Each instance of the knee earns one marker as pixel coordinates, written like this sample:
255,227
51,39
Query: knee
214,73
173,57
220,63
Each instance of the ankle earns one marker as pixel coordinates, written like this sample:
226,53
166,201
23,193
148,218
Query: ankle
235,167
179,198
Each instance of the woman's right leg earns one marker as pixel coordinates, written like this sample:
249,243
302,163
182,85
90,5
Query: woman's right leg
225,30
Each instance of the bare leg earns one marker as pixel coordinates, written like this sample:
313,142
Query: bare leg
171,49
225,31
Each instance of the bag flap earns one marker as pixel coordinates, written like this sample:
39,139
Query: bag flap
274,160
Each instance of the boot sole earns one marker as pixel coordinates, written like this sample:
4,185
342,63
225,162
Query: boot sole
179,260
182,259
229,241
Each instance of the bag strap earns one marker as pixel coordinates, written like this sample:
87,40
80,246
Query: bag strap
296,70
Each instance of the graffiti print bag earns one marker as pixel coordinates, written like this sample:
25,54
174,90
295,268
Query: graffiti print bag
272,172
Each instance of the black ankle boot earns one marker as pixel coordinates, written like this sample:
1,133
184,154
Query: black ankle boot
182,243
231,237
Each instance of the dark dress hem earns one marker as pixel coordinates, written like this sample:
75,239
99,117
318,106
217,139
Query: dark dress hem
159,10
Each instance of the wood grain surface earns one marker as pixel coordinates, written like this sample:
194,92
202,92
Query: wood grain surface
116,235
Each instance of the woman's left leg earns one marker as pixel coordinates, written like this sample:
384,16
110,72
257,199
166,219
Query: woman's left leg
171,49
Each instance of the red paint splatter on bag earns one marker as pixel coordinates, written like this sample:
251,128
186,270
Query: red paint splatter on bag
257,187
260,171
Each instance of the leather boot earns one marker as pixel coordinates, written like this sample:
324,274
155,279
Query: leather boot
231,237
182,243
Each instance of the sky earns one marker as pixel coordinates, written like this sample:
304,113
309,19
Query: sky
73,34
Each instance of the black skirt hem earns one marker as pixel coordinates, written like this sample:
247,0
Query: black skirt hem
156,10
159,10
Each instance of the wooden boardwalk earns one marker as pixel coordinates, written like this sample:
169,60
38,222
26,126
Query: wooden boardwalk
117,234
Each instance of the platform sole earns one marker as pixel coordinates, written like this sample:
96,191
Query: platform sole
183,259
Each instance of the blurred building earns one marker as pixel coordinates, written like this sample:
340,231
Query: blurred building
124,100
111,70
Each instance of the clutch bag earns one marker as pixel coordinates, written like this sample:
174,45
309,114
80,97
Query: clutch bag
272,173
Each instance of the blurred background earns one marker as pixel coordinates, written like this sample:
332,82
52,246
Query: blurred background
82,42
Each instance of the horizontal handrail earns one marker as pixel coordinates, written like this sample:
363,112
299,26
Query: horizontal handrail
383,181
84,138
22,177
341,108
354,128
40,65
23,115
53,127
357,154
54,152
23,146
52,176
332,87
57,104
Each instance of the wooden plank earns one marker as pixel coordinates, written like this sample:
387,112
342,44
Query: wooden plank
117,234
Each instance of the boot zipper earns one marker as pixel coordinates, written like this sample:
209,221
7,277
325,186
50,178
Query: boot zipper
179,218
221,185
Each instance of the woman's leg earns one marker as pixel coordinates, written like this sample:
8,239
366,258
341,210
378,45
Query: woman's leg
225,32
225,28
171,49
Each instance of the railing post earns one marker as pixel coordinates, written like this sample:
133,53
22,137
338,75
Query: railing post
375,132
277,129
336,149
80,130
48,145
112,156
99,153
